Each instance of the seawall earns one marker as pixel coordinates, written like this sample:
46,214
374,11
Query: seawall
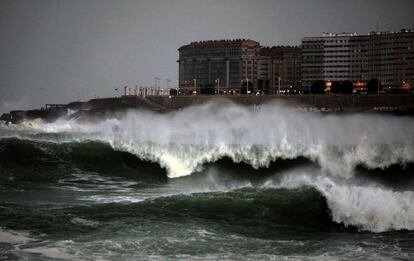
381,102
105,107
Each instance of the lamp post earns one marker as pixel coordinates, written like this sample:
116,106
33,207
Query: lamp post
273,87
178,86
156,79
279,73
168,85
195,85
218,86
278,91
247,85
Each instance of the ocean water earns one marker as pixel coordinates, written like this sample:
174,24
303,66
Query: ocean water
212,182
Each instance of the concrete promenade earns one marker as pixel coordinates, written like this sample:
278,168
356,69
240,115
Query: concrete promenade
383,102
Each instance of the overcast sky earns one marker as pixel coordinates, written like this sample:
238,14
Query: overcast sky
56,51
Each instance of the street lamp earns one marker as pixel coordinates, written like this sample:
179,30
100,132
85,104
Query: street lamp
195,85
218,86
156,79
178,86
279,78
247,85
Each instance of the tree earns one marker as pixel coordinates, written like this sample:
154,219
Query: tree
373,86
318,87
347,87
336,87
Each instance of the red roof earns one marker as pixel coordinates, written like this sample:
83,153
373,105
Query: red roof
220,43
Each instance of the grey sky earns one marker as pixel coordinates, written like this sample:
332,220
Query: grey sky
55,51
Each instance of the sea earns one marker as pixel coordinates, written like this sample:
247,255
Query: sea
211,182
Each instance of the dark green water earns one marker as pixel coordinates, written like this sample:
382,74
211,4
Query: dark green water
86,201
213,182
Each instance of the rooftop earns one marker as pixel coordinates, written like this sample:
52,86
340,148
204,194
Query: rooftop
347,34
220,43
279,50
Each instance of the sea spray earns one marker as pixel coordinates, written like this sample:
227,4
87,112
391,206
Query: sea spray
265,184
369,208
183,141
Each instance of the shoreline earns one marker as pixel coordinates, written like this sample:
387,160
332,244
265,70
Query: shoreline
401,104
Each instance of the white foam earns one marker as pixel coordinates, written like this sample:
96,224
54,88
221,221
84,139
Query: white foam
183,141
369,208
103,199
51,252
85,222
13,237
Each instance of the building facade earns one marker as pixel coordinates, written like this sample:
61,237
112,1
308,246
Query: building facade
279,69
229,63
391,58
326,58
385,56
237,64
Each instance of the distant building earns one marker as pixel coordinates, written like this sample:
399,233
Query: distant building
385,56
391,58
231,62
279,67
326,58
236,64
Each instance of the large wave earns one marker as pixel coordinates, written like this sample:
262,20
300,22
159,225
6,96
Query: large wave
183,141
370,208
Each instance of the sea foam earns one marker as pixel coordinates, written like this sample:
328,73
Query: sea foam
369,208
183,141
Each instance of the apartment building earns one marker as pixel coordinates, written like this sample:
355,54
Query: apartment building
229,62
385,56
236,64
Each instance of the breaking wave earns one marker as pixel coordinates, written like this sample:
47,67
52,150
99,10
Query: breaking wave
297,201
369,208
183,141
189,141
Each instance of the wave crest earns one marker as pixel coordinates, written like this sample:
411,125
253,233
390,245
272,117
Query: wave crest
183,141
369,208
